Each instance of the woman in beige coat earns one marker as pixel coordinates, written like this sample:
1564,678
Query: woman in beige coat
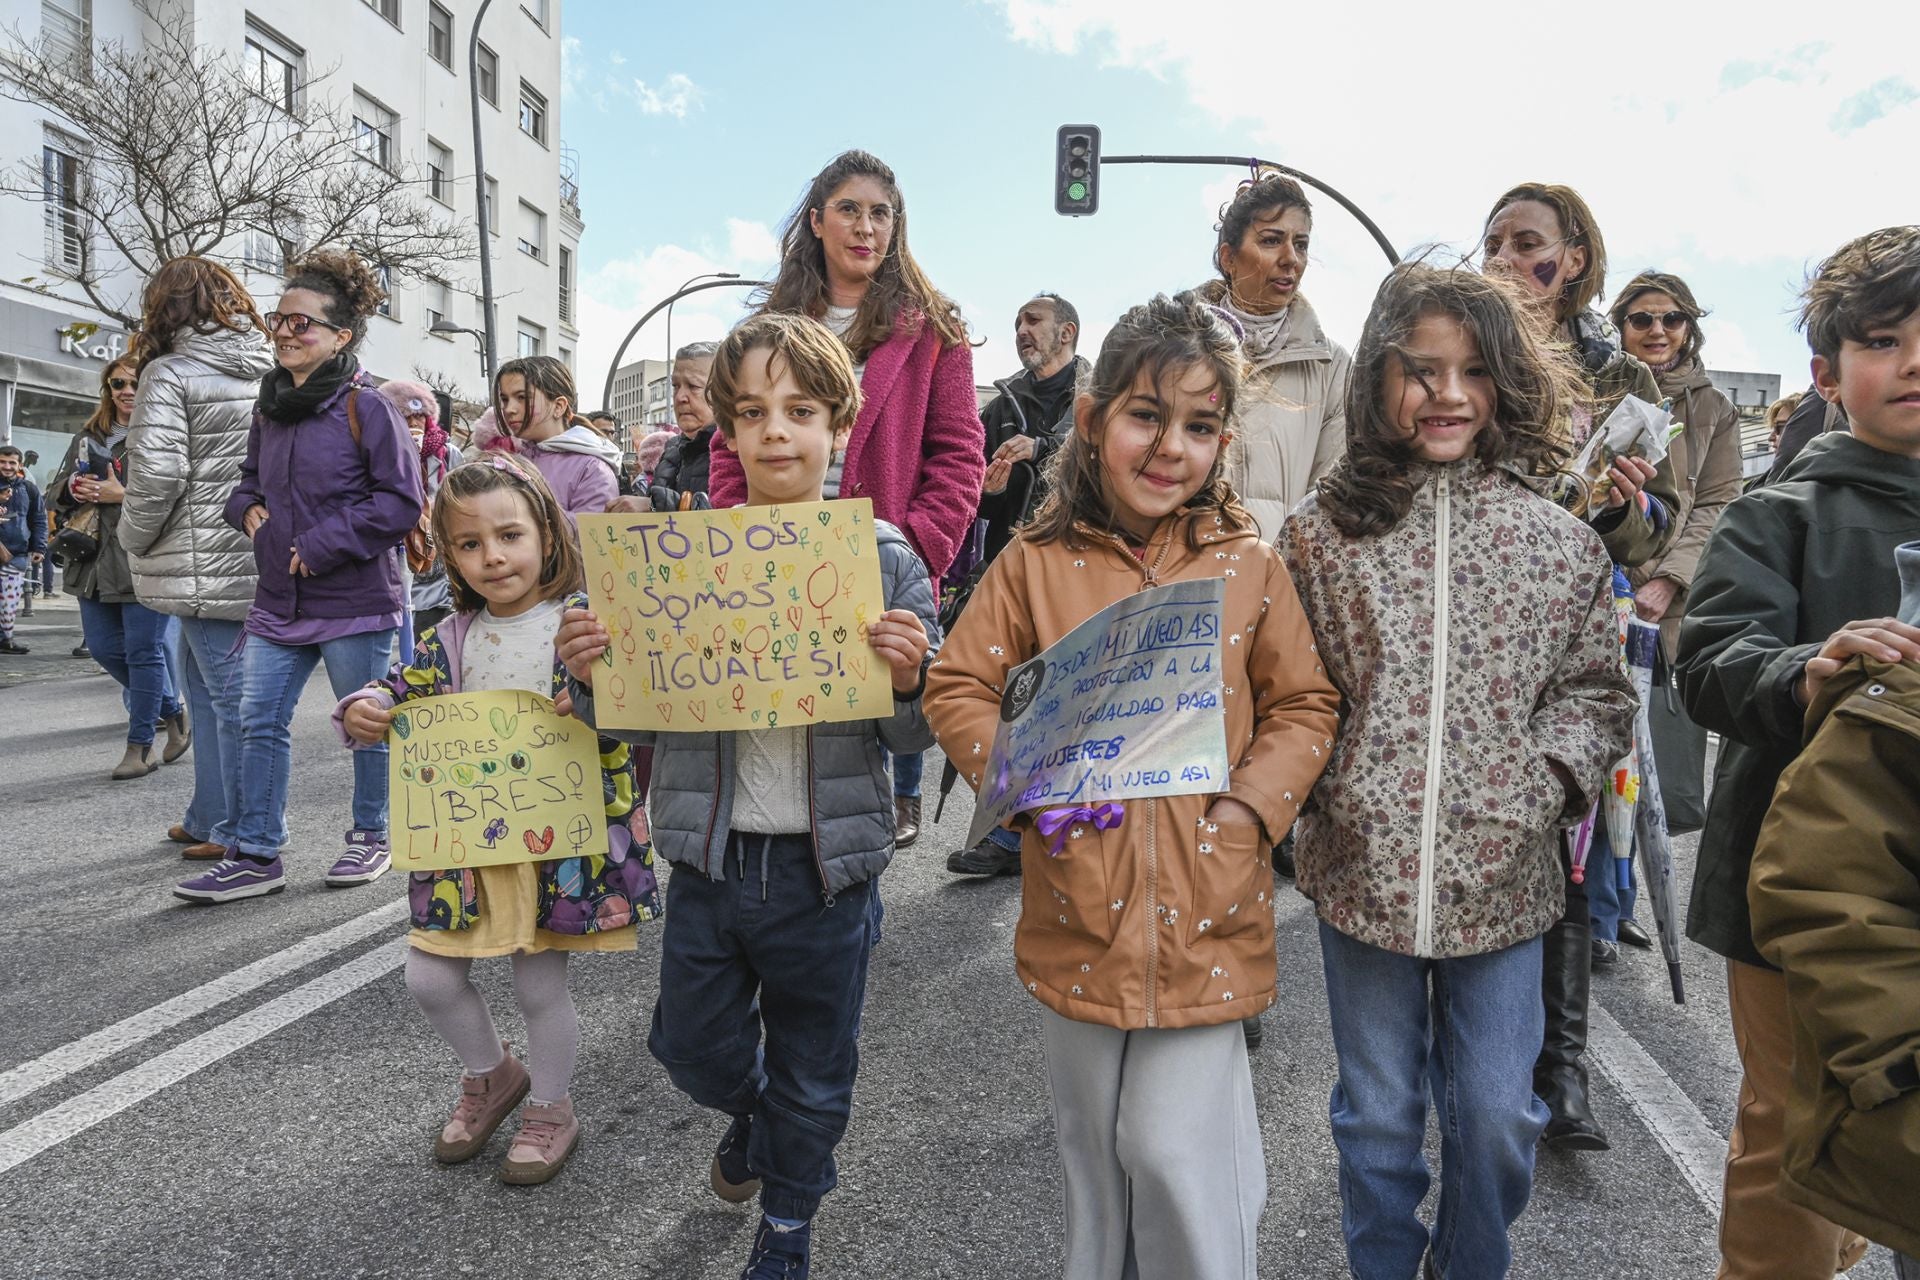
1292,423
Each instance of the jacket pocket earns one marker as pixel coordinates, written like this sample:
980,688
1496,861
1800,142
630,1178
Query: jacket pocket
1070,896
1232,881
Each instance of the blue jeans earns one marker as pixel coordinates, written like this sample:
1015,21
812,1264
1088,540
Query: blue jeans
1008,840
760,950
1463,1032
272,679
211,662
130,641
1608,902
906,774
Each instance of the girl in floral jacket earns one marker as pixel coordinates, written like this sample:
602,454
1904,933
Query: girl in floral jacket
1484,702
513,568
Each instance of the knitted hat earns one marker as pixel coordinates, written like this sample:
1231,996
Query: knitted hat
411,397
1907,559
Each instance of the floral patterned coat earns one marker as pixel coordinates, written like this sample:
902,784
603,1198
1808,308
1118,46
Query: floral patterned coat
1475,645
577,895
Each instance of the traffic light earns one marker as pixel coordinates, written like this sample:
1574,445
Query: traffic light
1076,170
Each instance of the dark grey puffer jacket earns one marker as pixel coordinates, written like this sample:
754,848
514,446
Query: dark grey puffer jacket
852,793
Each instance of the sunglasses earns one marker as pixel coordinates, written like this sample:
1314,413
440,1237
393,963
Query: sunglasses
296,323
121,384
1643,320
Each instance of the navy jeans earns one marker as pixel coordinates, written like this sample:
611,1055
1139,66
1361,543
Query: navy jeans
1463,1032
1608,902
907,771
759,948
130,641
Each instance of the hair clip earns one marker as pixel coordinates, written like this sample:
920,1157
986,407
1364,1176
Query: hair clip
415,405
1229,319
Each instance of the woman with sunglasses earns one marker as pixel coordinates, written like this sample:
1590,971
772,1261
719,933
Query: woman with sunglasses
918,449
123,635
1543,237
329,488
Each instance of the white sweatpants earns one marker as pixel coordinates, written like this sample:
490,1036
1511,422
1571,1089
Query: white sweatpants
1165,1174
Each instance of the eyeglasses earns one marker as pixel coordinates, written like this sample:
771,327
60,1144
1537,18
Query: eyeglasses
296,323
850,211
1644,320
121,384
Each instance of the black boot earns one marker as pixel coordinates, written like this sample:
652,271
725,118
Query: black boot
1559,1077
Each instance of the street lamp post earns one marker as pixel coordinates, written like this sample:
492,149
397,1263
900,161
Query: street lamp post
479,342
613,367
487,347
715,275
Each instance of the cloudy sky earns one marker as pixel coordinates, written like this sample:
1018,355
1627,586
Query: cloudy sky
1735,144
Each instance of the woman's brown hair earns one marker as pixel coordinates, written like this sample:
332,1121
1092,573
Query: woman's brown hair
1578,229
191,293
101,424
1674,287
561,569
1371,489
900,289
545,374
352,288
1159,338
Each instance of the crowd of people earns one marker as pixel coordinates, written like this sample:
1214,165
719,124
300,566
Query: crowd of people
1422,686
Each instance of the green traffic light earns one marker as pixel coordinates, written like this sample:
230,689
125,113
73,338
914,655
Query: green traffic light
1077,190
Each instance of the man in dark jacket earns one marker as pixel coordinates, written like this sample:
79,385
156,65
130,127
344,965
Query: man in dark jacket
23,532
1812,418
1025,423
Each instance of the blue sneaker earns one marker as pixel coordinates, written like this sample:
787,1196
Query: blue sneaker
733,1178
365,860
231,878
778,1254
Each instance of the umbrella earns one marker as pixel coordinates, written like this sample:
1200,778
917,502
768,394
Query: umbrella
1650,817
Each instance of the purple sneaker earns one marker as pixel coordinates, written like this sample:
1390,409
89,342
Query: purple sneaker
365,860
233,877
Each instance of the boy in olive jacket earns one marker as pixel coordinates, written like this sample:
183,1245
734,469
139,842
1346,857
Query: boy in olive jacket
1797,579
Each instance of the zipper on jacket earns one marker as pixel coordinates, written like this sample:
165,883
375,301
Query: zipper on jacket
713,816
813,822
1436,715
1153,912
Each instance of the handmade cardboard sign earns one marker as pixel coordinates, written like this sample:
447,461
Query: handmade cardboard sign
747,618
1125,706
478,779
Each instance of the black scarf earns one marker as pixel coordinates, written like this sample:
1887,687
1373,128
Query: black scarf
283,402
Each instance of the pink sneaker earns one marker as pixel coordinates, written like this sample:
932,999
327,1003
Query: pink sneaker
548,1134
485,1101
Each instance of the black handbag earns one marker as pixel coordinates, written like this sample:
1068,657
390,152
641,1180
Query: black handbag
1679,753
71,546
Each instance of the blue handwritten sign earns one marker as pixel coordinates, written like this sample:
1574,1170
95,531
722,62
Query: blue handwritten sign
747,618
1125,706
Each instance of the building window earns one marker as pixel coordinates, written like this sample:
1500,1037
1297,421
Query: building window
532,339
438,301
533,232
388,9
489,69
566,357
373,130
533,114
263,253
439,171
440,35
566,285
272,67
535,9
61,176
67,26
493,205
389,305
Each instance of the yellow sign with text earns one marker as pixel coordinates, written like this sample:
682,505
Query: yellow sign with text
480,779
747,618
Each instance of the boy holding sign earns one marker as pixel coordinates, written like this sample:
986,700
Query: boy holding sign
778,833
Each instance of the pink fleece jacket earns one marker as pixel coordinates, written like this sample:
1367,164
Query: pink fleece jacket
918,449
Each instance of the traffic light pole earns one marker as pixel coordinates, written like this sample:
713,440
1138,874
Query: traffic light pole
1253,163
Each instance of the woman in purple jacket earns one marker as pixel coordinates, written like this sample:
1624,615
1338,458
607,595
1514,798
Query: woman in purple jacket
329,489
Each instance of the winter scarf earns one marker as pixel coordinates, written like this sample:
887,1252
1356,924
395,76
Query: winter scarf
281,401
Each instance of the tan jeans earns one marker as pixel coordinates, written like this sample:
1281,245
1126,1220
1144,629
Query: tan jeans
1764,1236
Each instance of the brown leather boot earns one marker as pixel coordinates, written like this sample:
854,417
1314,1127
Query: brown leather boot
204,851
180,835
141,759
179,736
906,820
485,1101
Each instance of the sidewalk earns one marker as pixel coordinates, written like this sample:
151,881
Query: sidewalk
51,633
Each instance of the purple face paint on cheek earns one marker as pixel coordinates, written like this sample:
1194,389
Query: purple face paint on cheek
1545,272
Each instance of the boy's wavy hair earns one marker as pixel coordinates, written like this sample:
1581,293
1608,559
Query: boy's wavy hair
819,362
561,569
1160,338
1371,489
1867,282
900,288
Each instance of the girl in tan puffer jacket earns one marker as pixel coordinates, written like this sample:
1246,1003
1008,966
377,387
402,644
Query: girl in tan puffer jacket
1148,942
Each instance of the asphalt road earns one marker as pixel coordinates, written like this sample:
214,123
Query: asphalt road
253,1112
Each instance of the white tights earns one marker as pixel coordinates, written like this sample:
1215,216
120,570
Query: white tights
443,988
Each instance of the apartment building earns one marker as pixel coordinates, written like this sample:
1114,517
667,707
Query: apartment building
397,69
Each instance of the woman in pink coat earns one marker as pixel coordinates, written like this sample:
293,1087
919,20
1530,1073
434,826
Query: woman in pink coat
918,449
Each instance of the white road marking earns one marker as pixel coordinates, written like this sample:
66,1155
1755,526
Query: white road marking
1662,1106
109,1098
78,1055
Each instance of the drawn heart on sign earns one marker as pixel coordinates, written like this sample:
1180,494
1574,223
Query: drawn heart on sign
720,570
786,571
805,704
503,724
403,726
740,626
707,652
652,635
859,666
698,710
853,545
826,688
633,578
739,519
839,635
825,517
489,767
465,774
734,645
775,697
693,642
538,844
795,615
666,711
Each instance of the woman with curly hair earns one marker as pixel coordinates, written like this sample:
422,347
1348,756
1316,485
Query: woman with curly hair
1481,714
329,488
